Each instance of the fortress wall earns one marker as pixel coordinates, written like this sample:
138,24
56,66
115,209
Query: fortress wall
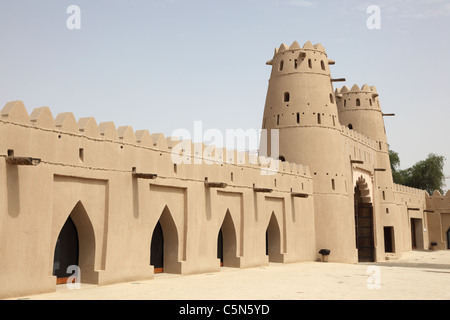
438,216
411,205
88,171
359,147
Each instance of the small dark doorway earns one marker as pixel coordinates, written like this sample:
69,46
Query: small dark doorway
66,251
388,239
413,235
157,249
220,247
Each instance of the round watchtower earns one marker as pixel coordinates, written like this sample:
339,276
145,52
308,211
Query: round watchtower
359,109
301,104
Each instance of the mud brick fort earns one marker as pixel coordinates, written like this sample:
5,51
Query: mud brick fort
113,202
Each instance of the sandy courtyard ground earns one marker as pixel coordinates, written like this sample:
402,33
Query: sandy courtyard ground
417,275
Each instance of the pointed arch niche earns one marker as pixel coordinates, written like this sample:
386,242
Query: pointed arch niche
227,242
80,204
273,240
75,245
164,247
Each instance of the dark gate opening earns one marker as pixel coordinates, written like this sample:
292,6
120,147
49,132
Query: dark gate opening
364,229
66,251
157,249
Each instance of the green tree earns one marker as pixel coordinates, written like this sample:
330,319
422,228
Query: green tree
427,174
395,166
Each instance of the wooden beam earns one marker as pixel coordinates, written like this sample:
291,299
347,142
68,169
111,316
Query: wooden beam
414,209
144,175
388,114
356,161
379,169
338,80
23,161
262,189
299,195
215,184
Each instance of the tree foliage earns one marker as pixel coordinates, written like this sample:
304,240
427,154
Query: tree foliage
427,174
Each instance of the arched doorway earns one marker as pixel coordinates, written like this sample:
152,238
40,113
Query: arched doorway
273,240
75,245
157,249
164,245
66,251
227,243
364,222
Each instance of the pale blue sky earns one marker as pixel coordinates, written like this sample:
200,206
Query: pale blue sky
163,64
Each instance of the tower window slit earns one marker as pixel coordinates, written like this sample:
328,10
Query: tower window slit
298,117
81,154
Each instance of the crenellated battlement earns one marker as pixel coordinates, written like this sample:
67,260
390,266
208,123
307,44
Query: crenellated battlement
186,151
314,56
354,98
358,137
308,46
409,190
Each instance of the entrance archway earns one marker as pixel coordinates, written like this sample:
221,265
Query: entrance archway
164,245
75,245
364,222
273,240
66,251
227,242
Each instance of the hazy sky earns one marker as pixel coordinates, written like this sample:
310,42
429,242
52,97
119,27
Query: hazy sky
163,64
